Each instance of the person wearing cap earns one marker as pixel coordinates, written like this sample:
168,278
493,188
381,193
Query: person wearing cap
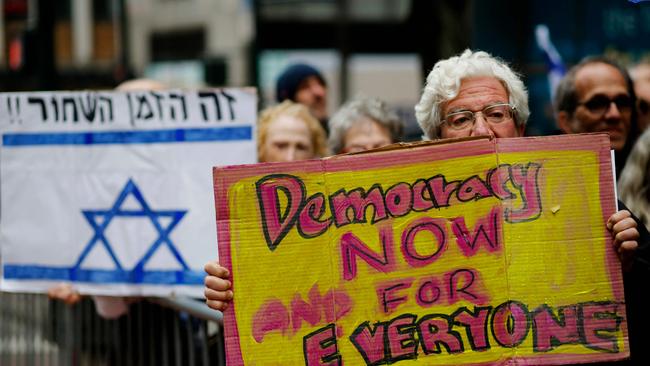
302,83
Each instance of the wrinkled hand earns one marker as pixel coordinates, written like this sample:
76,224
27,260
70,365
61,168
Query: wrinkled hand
218,293
64,292
625,234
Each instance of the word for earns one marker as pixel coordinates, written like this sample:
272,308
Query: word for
486,234
314,215
462,284
143,106
594,325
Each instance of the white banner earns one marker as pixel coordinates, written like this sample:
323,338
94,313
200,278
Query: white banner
112,191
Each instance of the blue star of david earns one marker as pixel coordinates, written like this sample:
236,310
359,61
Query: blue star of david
145,211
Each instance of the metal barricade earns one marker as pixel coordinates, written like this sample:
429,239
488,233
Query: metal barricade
35,330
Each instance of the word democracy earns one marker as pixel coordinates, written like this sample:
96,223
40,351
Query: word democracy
310,215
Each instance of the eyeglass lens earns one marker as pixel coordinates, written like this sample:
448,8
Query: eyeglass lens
601,103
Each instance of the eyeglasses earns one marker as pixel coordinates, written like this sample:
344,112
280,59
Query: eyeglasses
644,106
493,114
600,104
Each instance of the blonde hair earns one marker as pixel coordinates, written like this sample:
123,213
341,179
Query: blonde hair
299,111
634,183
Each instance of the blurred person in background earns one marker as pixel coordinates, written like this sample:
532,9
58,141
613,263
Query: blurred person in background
288,132
634,182
641,75
597,95
363,124
304,84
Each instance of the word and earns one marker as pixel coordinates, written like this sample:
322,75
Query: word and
274,316
314,215
594,325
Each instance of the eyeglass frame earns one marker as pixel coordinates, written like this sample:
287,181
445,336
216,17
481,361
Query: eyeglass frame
512,110
609,105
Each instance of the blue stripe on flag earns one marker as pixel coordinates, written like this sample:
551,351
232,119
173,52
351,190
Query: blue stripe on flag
128,137
154,277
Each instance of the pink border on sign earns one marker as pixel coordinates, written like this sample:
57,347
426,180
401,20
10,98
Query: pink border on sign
225,177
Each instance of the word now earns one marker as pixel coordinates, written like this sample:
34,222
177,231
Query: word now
312,216
486,234
594,325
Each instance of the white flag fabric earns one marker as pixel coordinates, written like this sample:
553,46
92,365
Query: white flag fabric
112,191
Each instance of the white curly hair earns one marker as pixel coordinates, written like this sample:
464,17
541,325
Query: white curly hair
443,84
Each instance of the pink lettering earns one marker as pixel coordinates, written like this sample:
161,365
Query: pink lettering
358,202
272,316
435,332
321,349
388,296
461,281
352,248
402,344
473,188
486,233
308,220
600,322
475,325
525,179
431,225
399,199
441,190
510,324
421,202
550,332
276,224
308,311
370,342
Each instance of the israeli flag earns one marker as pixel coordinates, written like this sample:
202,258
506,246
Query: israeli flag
113,191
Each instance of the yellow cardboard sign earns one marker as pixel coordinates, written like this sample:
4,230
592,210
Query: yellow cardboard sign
472,252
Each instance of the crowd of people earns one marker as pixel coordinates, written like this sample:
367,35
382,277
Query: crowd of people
471,94
476,94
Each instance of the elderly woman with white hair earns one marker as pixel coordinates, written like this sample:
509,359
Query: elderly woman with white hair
363,124
461,87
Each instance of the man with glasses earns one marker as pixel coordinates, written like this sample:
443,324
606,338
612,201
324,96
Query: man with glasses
596,95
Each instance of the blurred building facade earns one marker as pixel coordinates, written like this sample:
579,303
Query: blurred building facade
381,48
97,43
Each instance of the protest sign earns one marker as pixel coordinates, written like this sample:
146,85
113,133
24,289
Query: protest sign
112,190
476,252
